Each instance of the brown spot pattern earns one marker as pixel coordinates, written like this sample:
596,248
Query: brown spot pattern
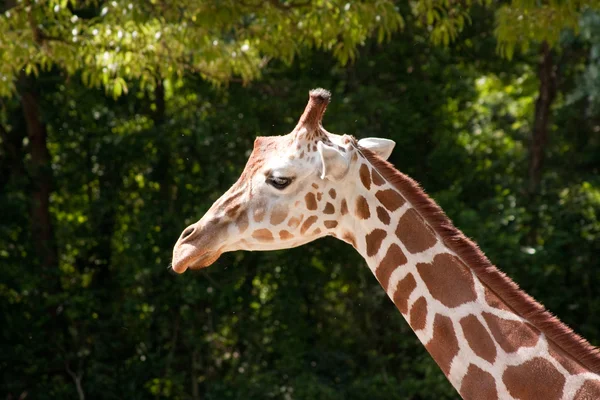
307,224
534,379
329,209
259,214
511,335
590,390
315,185
331,224
362,208
413,232
316,231
279,214
418,314
332,193
374,239
448,280
377,178
285,235
365,176
242,222
494,300
403,290
392,259
565,360
478,338
295,221
478,384
349,238
232,211
311,202
319,196
443,346
390,199
383,215
264,235
344,207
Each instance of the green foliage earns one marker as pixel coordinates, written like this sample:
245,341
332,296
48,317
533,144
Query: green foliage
523,22
444,19
118,41
588,80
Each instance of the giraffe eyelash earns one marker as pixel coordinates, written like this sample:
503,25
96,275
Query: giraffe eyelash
278,182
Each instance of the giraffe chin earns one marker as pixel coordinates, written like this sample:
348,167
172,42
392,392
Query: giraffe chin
195,263
205,261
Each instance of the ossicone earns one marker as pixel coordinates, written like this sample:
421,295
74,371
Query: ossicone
318,99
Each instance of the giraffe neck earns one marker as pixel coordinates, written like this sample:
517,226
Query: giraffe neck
467,322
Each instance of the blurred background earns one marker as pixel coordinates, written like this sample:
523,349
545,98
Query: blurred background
122,121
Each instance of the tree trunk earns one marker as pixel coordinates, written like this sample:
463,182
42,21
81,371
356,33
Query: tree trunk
539,138
11,155
41,178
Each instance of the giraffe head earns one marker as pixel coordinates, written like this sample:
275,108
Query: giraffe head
292,191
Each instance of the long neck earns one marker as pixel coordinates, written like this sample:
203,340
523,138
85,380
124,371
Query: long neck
489,338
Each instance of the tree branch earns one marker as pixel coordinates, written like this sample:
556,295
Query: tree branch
77,379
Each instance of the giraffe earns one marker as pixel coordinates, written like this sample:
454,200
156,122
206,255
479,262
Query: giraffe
490,339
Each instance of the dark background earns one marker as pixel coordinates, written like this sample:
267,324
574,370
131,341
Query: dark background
96,187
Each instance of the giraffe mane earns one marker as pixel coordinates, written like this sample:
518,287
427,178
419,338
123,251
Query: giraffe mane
496,280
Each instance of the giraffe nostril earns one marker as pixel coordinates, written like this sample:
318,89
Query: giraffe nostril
187,232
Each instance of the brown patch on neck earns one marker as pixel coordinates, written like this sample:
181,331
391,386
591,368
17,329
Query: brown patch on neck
390,199
443,346
383,215
365,176
495,280
511,335
534,379
414,233
377,178
478,384
344,207
403,290
392,260
418,314
349,238
362,208
565,360
448,280
478,338
374,240
590,390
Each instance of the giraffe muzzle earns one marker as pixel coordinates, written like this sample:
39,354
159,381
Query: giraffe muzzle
197,247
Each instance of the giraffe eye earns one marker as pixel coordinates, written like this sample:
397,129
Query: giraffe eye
279,182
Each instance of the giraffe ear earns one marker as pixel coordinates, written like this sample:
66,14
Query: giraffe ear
335,165
382,147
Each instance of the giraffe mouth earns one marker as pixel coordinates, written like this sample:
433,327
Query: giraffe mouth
195,261
207,259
